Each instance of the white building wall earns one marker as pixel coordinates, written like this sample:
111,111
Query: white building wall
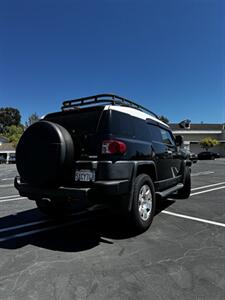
195,148
7,154
192,139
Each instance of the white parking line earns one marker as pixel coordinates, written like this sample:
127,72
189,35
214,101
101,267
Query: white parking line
11,196
36,223
202,173
5,179
207,186
23,225
31,232
6,185
207,191
9,200
193,218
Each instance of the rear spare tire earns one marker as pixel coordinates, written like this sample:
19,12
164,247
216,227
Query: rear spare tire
44,154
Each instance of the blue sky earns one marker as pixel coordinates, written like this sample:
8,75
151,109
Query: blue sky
168,55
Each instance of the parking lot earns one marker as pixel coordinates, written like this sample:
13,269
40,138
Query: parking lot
88,256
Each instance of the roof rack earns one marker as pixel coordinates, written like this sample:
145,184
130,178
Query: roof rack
104,99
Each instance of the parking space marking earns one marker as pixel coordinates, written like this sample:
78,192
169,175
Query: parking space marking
193,218
13,199
207,191
207,186
35,231
5,179
202,173
38,222
23,225
11,196
6,185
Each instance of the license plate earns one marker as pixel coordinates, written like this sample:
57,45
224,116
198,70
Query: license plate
85,175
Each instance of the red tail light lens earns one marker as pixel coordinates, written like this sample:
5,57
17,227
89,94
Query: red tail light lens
113,147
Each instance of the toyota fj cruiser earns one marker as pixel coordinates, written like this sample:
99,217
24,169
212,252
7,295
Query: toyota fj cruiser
102,149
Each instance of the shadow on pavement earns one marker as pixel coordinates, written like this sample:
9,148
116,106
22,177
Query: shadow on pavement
90,229
163,204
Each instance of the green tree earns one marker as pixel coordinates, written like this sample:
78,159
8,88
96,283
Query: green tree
9,116
164,119
32,119
208,142
13,133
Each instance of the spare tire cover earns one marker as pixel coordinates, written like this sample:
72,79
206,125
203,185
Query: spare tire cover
44,153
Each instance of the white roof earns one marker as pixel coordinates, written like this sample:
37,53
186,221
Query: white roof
134,112
197,131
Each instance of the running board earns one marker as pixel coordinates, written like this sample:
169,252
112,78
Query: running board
170,191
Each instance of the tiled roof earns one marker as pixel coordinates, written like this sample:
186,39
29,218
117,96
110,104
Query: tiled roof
3,139
7,147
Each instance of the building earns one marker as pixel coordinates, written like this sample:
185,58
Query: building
3,140
7,151
193,135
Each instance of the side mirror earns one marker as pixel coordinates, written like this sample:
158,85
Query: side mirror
179,140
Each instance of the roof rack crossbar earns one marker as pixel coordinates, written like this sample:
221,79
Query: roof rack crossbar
104,98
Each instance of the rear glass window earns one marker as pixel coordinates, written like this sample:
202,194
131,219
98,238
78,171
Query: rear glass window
82,121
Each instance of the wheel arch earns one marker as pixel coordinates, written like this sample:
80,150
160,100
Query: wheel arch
142,167
149,169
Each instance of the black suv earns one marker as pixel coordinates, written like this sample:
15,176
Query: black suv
102,149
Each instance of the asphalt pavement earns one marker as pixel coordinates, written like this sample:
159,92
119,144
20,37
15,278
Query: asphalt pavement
93,256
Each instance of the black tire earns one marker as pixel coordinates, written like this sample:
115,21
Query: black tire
53,208
44,154
141,215
185,192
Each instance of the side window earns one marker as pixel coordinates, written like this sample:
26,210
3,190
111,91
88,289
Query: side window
167,137
121,124
141,130
155,133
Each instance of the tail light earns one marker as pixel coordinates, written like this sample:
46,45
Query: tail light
113,147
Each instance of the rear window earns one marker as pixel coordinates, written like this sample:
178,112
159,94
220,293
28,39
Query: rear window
82,121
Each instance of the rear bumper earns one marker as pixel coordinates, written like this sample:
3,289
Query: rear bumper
107,188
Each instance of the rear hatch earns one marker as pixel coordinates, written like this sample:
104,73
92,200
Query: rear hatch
84,126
